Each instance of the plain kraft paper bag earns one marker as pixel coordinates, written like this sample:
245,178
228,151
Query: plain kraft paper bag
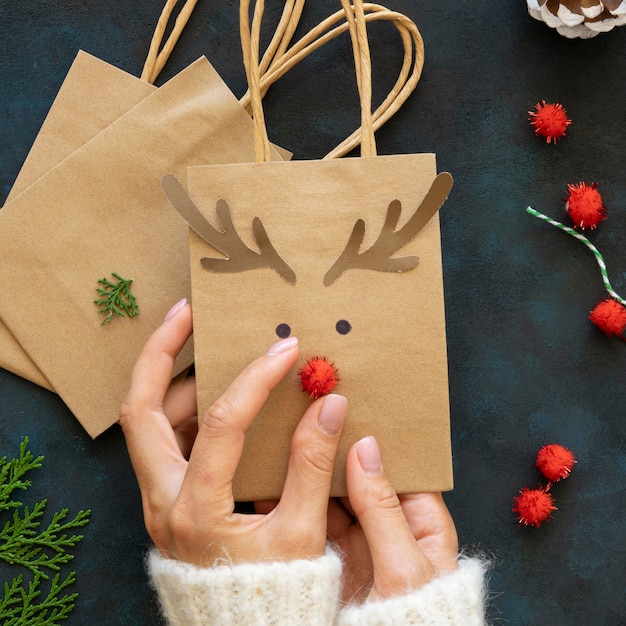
392,364
93,95
101,211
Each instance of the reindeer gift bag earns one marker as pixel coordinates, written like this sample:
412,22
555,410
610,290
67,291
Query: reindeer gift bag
345,255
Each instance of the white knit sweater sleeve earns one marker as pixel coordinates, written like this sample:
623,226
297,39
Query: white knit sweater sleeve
454,599
303,592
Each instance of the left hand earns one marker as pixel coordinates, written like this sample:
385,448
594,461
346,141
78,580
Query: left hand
188,503
391,544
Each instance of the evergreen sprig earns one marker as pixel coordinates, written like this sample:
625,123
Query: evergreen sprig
117,298
25,607
23,543
41,550
11,473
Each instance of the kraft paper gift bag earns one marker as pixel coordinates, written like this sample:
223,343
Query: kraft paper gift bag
383,330
101,211
345,254
93,95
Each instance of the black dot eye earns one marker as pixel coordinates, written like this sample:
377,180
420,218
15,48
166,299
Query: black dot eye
343,327
283,331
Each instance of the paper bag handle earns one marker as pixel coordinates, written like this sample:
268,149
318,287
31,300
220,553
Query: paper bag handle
156,58
278,60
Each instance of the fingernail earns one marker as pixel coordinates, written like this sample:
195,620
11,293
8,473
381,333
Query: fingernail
368,453
332,414
175,309
283,345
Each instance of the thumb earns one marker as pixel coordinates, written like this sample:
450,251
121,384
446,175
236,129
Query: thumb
399,563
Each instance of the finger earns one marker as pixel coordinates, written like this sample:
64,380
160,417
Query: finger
432,526
263,507
153,370
311,462
399,563
186,434
180,403
181,409
219,443
151,443
345,501
347,534
339,519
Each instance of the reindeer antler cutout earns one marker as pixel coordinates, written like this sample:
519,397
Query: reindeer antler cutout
379,255
240,257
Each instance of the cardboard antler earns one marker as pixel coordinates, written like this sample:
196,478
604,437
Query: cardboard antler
379,255
239,257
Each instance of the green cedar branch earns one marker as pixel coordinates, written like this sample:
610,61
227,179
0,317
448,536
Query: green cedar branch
38,548
117,298
22,543
24,606
11,473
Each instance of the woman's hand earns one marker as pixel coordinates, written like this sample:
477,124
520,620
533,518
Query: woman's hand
391,544
187,488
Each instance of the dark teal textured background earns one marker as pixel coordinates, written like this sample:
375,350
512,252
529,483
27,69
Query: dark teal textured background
526,366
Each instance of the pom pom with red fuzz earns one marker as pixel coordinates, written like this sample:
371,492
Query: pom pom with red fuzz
555,462
610,317
318,377
584,205
533,506
549,121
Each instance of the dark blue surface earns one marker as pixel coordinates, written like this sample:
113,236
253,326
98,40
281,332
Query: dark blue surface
526,366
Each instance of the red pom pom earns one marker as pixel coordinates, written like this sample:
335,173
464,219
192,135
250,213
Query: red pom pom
533,506
549,120
555,462
610,317
318,377
584,205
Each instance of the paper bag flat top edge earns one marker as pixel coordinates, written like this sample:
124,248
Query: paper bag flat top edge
93,94
102,210
392,364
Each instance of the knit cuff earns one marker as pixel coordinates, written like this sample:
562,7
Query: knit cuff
454,599
273,593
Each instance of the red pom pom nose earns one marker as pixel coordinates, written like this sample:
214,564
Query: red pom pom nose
318,377
555,462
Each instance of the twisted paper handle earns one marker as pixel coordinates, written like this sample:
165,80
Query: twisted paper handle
594,250
157,59
250,36
355,17
279,58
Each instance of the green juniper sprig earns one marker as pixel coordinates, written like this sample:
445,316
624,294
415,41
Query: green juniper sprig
117,298
23,543
11,475
41,550
25,607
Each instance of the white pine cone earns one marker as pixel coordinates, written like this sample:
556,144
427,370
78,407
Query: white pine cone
579,18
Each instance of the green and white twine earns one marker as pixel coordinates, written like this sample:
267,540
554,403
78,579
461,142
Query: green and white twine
580,237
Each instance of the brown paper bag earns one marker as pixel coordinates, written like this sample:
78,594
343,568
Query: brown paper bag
392,363
99,211
93,95
345,255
